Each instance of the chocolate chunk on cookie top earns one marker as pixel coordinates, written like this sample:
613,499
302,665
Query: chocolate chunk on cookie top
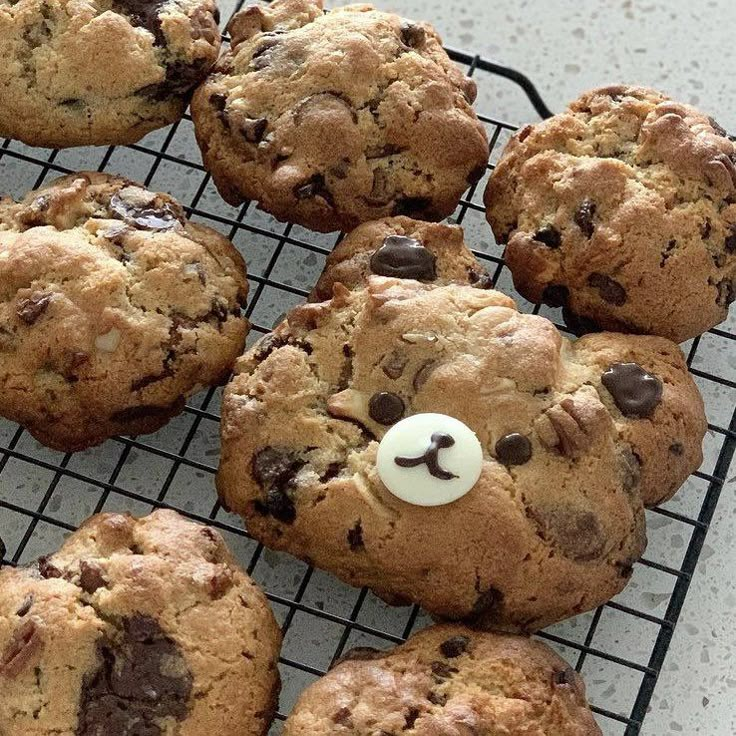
622,210
105,73
330,119
447,680
113,309
434,444
131,629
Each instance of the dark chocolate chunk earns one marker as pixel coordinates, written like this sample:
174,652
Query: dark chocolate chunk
48,570
268,343
549,235
404,258
677,449
437,698
513,449
730,242
421,376
412,35
343,717
726,292
30,309
25,607
24,644
555,295
253,129
609,289
430,458
313,187
584,217
218,101
635,392
386,408
220,583
630,465
91,578
355,537
147,218
480,279
410,719
442,671
576,533
706,227
274,469
142,680
454,647
393,366
144,14
565,677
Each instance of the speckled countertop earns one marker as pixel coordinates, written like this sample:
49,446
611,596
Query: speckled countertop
687,49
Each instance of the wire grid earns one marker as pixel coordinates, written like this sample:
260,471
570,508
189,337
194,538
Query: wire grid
44,495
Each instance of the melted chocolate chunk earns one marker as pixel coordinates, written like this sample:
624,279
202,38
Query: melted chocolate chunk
274,469
147,218
29,310
555,295
576,533
513,449
609,289
404,258
549,235
24,644
430,458
584,217
355,537
386,408
412,35
635,392
454,647
142,680
144,14
181,78
91,578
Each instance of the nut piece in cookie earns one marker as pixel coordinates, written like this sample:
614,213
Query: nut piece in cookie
447,680
331,119
102,73
114,309
621,210
574,442
133,627
434,253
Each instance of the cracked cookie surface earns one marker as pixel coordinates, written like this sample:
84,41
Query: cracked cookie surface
136,627
332,119
447,680
622,210
97,72
113,309
434,253
575,436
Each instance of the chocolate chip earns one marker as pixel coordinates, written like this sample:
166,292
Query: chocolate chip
141,682
25,607
609,289
274,469
404,258
412,35
91,578
313,187
437,698
29,310
147,218
487,606
382,191
565,677
576,533
271,342
454,646
144,14
630,465
253,129
47,570
24,644
410,719
343,717
726,292
419,208
442,671
584,217
220,583
555,295
549,235
730,243
513,449
480,279
706,227
355,537
218,101
635,392
677,449
386,408
393,365
577,324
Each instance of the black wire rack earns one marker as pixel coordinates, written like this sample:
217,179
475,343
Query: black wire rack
619,648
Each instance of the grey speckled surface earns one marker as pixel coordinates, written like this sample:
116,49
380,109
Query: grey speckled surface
564,46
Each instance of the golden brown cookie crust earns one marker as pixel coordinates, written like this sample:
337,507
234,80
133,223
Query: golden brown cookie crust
165,600
519,550
99,72
623,210
448,680
330,120
113,309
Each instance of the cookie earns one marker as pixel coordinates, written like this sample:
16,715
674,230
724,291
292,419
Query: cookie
447,680
113,309
136,627
622,210
99,72
330,119
575,438
434,253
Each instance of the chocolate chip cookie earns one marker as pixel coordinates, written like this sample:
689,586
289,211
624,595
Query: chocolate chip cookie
330,119
136,627
400,247
113,309
622,210
574,439
447,680
100,72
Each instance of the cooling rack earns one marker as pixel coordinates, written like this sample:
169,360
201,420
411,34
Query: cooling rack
619,648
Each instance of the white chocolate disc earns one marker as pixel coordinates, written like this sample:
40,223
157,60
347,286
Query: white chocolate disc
430,448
